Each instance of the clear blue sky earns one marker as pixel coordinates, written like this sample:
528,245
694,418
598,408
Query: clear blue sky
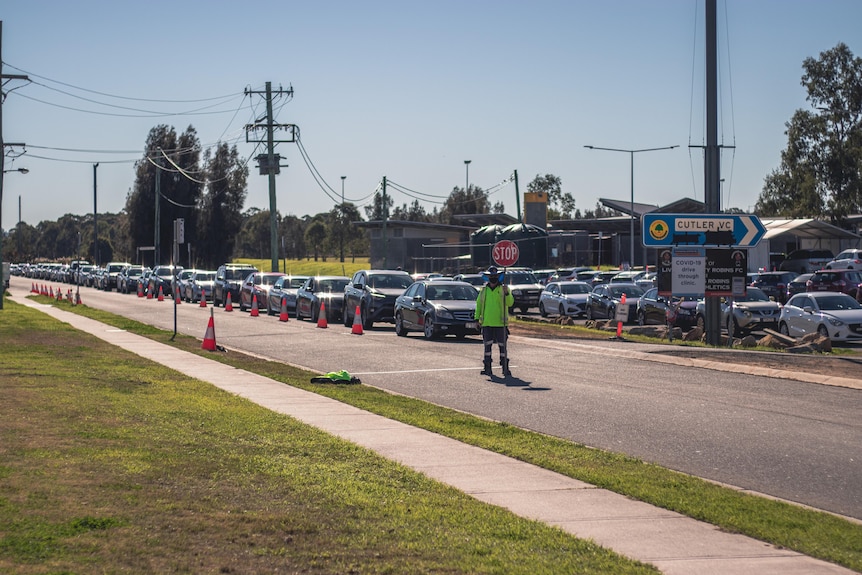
409,90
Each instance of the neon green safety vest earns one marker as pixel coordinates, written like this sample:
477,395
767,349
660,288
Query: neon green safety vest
491,310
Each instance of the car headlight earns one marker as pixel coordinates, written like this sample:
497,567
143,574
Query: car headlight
516,292
835,321
444,313
378,295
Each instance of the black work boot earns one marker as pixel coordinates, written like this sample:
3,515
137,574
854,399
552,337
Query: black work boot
487,369
505,364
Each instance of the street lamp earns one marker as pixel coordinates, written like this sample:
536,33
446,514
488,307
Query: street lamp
22,170
467,180
631,154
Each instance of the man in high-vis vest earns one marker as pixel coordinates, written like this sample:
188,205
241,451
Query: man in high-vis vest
492,313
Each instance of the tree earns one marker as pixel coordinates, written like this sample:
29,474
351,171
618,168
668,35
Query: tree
376,210
820,174
560,205
341,227
220,214
291,230
253,238
315,236
415,212
176,161
473,200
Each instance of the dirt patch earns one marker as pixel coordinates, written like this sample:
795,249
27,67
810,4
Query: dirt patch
849,366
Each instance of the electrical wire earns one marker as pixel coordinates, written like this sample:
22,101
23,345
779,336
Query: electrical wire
120,97
197,112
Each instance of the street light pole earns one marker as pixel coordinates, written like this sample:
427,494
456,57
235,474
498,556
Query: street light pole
467,178
631,154
2,176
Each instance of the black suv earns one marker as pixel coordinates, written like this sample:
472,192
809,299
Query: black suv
108,281
229,278
526,289
374,291
164,278
774,284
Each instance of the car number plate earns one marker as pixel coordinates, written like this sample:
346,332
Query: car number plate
472,325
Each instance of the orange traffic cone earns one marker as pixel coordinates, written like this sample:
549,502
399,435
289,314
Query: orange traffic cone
149,293
140,290
321,317
69,295
51,292
203,297
284,316
33,287
177,298
209,343
161,294
228,306
77,298
254,310
357,322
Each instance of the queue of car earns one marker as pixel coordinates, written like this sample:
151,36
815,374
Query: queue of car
439,305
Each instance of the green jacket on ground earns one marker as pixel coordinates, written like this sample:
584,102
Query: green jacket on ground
492,307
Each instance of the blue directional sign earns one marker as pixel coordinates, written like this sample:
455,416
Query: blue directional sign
718,230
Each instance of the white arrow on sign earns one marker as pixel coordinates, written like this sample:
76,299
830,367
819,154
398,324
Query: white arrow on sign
751,231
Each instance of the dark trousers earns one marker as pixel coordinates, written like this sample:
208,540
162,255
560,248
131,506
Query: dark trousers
490,336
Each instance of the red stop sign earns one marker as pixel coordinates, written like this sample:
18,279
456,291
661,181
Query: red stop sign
505,253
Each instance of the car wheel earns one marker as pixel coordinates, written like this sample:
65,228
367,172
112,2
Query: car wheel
524,309
315,313
366,321
783,329
562,310
589,313
429,331
612,312
822,331
641,318
542,311
733,328
344,315
399,325
700,322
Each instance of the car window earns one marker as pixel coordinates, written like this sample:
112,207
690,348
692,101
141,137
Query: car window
332,285
753,295
390,281
838,302
575,288
629,291
297,283
520,278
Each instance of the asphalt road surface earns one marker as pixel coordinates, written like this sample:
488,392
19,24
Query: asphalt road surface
796,441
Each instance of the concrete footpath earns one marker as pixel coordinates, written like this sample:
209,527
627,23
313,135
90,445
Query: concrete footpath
675,544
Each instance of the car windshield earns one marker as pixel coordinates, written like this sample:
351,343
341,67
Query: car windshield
205,277
390,281
630,291
268,280
237,274
296,283
753,295
451,292
165,272
332,285
838,302
515,278
575,288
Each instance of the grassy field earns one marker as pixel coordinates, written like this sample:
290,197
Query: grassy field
810,532
112,464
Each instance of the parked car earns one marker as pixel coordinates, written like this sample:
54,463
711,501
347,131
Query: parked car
127,281
374,293
525,288
229,278
285,287
742,315
847,260
328,290
257,285
143,281
567,298
797,285
437,308
472,279
843,281
652,309
602,277
605,298
774,284
108,280
183,279
163,277
805,261
834,315
200,285
627,277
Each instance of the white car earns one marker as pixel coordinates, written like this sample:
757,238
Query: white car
565,298
847,260
831,314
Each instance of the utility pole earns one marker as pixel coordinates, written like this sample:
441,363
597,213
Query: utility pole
385,212
341,217
269,163
95,220
518,198
712,165
3,145
156,227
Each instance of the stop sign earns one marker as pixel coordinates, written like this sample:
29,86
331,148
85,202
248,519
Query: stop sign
505,253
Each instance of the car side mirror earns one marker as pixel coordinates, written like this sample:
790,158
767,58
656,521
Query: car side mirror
417,298
808,309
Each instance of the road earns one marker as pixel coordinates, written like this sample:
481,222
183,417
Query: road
796,441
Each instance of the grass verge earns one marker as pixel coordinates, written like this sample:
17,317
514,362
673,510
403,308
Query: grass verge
810,532
113,464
